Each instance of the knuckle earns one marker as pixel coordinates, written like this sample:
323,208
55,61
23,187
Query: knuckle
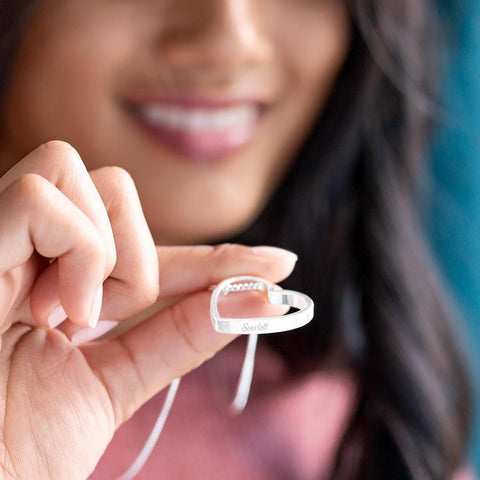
225,257
117,187
182,323
60,151
29,187
120,175
64,163
150,293
117,177
144,295
228,252
124,410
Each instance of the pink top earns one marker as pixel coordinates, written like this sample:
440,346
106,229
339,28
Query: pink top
288,430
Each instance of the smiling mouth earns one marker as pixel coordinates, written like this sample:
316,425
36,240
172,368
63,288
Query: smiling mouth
199,132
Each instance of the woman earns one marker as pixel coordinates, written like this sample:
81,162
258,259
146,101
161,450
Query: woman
296,123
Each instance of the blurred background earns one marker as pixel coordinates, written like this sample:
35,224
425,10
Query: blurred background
453,222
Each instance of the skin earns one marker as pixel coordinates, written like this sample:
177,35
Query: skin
226,50
99,211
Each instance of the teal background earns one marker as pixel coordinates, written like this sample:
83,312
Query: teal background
454,221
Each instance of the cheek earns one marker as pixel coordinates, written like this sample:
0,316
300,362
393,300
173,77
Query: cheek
313,39
63,73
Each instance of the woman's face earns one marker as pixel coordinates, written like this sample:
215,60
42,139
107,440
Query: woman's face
204,102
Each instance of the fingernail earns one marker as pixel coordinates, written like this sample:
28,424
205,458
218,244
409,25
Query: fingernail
56,316
96,307
86,335
276,253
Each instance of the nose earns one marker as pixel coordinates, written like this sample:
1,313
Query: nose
213,34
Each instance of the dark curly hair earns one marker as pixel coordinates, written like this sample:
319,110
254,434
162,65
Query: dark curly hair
349,210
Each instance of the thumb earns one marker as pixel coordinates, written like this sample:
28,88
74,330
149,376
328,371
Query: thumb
145,359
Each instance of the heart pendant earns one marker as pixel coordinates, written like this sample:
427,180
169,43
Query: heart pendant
275,296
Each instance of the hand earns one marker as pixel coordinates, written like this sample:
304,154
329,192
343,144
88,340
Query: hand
75,244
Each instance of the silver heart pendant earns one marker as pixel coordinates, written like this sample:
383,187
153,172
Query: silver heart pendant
275,296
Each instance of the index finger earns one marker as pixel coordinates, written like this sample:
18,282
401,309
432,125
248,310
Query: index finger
187,269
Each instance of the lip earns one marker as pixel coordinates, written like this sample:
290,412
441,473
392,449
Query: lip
200,129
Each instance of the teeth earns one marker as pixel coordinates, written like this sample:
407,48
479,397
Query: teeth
176,118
